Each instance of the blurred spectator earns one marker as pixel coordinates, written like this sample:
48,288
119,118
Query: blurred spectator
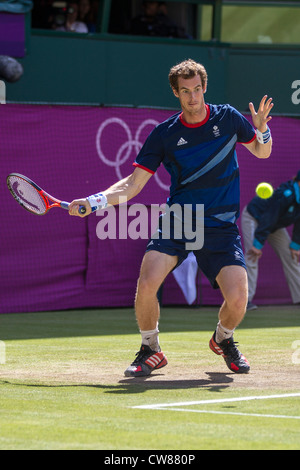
71,22
266,220
155,22
87,12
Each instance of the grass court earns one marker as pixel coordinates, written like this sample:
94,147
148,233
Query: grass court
62,384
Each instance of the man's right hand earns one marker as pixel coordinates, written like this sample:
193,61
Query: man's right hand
74,207
254,254
295,255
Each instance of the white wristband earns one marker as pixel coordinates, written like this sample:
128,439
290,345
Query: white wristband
263,137
97,201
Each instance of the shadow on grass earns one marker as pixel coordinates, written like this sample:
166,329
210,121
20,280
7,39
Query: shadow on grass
215,382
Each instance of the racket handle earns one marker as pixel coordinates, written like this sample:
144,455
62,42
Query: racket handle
65,205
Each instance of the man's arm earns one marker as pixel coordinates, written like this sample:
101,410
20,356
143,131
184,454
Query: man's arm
128,187
260,121
121,191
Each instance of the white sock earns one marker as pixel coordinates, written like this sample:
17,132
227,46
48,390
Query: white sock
223,333
150,338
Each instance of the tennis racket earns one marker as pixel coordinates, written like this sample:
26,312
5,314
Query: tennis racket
33,198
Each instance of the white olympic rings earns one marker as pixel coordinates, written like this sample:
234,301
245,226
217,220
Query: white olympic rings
126,147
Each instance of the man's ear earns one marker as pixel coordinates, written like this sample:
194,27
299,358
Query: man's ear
175,92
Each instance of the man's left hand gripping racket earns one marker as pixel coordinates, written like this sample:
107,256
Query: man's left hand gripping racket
33,198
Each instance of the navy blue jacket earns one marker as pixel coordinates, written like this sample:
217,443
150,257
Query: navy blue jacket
280,210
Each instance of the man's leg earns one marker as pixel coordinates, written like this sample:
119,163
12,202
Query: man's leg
234,287
154,269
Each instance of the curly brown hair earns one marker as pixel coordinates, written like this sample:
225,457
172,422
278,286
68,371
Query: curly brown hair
187,69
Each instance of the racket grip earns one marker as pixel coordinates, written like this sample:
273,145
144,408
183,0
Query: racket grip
65,205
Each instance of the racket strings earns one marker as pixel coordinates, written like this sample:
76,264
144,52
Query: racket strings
27,195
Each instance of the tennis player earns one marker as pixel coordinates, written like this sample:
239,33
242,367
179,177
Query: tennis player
197,147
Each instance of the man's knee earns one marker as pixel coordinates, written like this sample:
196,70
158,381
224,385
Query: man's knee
155,267
237,302
147,285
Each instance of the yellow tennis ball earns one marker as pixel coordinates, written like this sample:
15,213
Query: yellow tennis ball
264,190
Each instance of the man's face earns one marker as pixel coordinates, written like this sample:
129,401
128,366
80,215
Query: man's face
190,93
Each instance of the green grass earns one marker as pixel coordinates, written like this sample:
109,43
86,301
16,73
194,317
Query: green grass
62,386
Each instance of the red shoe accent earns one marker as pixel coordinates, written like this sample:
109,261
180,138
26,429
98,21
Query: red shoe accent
215,348
235,361
163,363
146,361
157,360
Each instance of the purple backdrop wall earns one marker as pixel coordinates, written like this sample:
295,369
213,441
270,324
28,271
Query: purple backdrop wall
12,34
56,261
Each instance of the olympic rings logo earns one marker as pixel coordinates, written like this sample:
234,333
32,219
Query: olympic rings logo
126,148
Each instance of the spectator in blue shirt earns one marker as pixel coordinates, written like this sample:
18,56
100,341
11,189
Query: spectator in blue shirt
267,220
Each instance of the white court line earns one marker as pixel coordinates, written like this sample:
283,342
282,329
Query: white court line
219,400
230,413
178,406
